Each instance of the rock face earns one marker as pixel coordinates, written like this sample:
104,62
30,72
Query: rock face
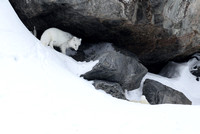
157,93
155,30
114,66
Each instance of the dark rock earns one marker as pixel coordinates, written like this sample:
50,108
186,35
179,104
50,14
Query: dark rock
111,88
171,70
195,65
155,30
157,93
96,50
116,67
195,70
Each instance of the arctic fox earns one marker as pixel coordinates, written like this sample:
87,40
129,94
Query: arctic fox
59,38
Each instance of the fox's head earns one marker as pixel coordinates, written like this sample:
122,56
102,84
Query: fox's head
75,43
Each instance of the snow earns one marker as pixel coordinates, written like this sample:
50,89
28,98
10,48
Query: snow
41,93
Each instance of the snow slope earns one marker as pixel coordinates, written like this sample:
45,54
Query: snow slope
41,93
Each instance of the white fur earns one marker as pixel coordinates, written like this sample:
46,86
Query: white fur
59,38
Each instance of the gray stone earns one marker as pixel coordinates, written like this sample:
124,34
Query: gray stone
111,88
194,65
195,70
171,70
157,93
96,50
116,67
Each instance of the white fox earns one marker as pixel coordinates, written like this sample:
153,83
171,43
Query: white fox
59,38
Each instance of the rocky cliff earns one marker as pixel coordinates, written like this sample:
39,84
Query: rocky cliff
155,30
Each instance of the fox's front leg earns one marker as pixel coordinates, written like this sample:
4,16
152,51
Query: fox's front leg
51,44
63,48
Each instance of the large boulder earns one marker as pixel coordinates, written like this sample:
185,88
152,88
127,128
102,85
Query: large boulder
155,30
115,66
157,93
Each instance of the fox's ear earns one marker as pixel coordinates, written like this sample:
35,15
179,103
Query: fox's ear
73,38
80,39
